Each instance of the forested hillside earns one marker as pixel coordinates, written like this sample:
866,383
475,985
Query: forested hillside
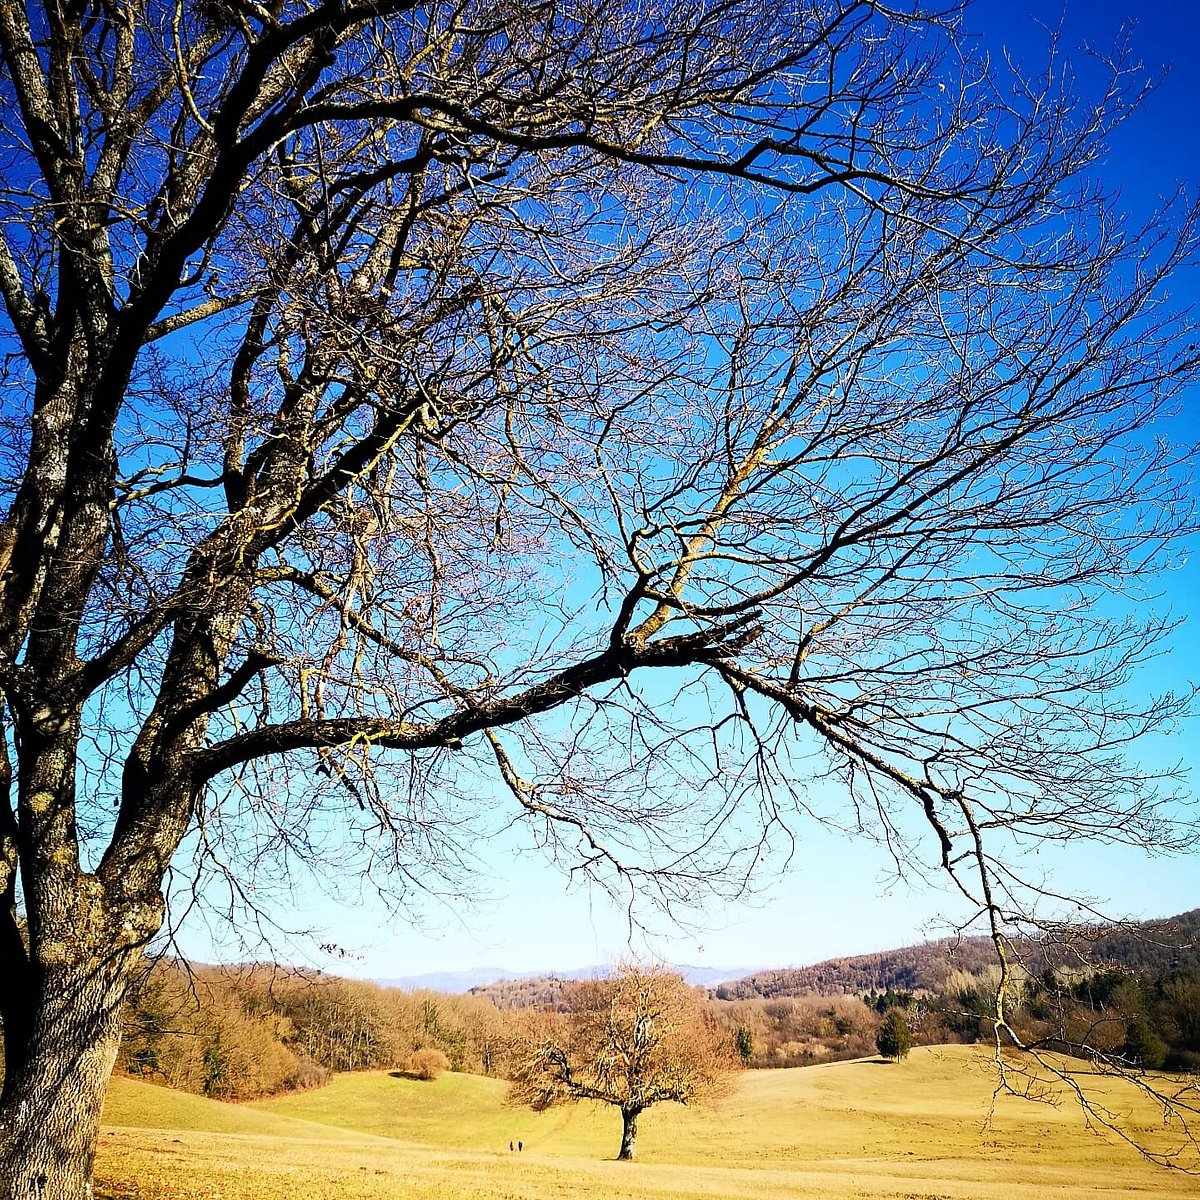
512,994
911,968
1172,943
239,1032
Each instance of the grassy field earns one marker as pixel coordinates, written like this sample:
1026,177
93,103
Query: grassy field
920,1130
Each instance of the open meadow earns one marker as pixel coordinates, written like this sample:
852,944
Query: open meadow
919,1130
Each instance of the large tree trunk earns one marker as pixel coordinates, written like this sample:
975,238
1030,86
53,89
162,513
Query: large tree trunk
54,1080
629,1117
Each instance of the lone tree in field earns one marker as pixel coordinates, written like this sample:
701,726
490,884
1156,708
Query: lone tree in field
894,1039
636,409
641,1038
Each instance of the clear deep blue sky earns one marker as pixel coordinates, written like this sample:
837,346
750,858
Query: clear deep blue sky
838,896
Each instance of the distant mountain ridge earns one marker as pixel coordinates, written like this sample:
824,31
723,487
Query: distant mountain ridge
482,979
1160,944
450,981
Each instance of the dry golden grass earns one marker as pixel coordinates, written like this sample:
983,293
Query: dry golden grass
915,1131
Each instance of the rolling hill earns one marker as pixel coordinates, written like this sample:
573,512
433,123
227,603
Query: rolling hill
928,1128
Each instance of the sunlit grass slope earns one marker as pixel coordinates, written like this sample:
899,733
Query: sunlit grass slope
455,1112
915,1131
146,1106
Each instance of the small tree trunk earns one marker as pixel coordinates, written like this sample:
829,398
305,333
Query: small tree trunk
54,1085
629,1118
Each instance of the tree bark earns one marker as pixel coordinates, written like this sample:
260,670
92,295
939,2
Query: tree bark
54,1082
629,1117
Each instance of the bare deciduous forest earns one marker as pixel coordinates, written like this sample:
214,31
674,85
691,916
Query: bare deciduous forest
237,1034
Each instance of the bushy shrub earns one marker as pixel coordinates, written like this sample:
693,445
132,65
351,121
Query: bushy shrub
308,1075
426,1064
1186,1061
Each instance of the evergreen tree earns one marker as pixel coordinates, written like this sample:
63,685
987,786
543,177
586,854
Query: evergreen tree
895,1039
743,1041
1143,1047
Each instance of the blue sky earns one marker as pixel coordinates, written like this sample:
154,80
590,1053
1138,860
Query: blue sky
838,896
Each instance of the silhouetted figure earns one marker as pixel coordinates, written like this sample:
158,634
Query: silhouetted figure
520,1147
510,1147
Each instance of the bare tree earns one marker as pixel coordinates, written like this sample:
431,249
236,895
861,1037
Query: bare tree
655,407
640,1038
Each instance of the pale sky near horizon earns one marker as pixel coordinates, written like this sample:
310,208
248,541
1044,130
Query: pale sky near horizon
838,896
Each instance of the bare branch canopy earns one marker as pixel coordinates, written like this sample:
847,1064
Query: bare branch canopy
640,413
